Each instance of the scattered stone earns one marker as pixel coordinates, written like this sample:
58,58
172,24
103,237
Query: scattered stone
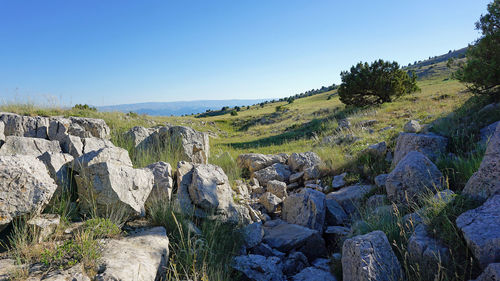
312,173
335,234
277,188
293,186
45,225
480,229
431,146
491,273
335,214
350,197
339,181
414,176
427,252
313,274
380,180
306,208
287,237
253,234
276,171
412,127
445,196
301,161
370,257
377,150
259,268
323,264
270,202
25,187
295,177
254,161
75,273
344,124
295,262
140,256
486,181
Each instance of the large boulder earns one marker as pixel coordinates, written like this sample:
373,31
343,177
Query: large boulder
25,126
432,146
414,176
163,182
350,197
306,208
259,268
277,171
481,230
58,166
89,127
28,146
25,187
140,137
255,161
194,145
370,257
302,161
204,190
286,237
427,252
140,256
491,273
486,181
106,181
335,214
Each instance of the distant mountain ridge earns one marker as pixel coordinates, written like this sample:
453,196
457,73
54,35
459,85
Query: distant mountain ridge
178,108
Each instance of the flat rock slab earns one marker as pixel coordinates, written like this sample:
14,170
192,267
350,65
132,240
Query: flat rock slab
140,256
481,229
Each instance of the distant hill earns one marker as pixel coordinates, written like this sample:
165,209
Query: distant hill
437,66
177,108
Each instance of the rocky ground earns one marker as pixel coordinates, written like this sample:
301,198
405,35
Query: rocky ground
295,225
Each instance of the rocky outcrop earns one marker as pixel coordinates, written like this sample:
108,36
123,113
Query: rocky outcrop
286,237
140,137
414,176
432,146
254,161
140,256
277,188
427,253
163,182
259,268
28,146
270,202
306,208
481,232
486,181
58,166
25,187
370,257
350,197
491,273
276,171
107,181
194,145
302,161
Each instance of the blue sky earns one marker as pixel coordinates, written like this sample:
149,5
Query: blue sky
104,52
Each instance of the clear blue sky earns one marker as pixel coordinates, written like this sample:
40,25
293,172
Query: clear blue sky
105,52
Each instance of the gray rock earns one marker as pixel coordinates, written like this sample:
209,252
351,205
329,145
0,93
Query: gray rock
25,187
414,176
335,214
270,202
58,165
140,137
72,145
276,171
313,274
24,126
295,177
287,237
431,146
323,264
344,123
294,262
370,257
350,197
254,161
377,150
259,268
412,127
140,256
487,132
427,253
91,128
93,144
195,145
486,181
301,161
491,273
338,181
2,135
335,234
306,208
7,267
75,273
481,231
312,173
163,182
28,146
375,201
445,196
367,123
106,181
380,180
45,225
253,234
277,188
